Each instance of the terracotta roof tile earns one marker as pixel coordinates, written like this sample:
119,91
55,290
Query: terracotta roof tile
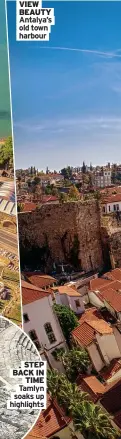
35,295
30,286
28,207
49,198
40,280
49,422
96,284
100,326
30,293
113,198
114,274
84,334
90,314
90,323
112,297
115,284
67,290
93,387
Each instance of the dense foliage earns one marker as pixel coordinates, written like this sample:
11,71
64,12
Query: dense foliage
88,418
6,154
67,319
75,361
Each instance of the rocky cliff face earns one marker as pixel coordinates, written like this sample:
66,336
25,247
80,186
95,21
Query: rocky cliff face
115,247
68,232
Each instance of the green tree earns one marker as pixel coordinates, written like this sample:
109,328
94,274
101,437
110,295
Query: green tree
92,422
63,198
66,393
54,191
48,190
83,168
75,361
74,193
6,154
53,382
88,418
29,182
67,319
66,172
36,180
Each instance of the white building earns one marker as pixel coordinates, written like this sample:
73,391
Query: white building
111,203
101,341
102,178
69,296
41,323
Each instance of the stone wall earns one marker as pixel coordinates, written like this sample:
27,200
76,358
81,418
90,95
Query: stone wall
115,247
59,226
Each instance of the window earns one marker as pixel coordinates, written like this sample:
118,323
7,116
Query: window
109,208
50,333
26,318
104,209
77,303
117,206
114,207
34,338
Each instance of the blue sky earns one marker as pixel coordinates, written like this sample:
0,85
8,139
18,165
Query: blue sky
67,103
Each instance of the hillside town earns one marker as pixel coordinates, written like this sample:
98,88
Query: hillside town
35,188
70,235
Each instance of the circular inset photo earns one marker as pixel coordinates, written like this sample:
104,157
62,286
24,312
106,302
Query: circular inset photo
15,347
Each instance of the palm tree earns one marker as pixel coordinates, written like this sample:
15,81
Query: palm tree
53,382
66,393
92,422
75,361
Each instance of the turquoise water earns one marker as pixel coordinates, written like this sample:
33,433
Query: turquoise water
5,118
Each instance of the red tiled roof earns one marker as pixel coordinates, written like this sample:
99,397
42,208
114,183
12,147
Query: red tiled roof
66,289
29,206
110,190
29,286
90,314
50,422
48,198
114,198
114,284
30,293
114,274
40,280
84,334
90,323
113,297
96,284
100,326
92,386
